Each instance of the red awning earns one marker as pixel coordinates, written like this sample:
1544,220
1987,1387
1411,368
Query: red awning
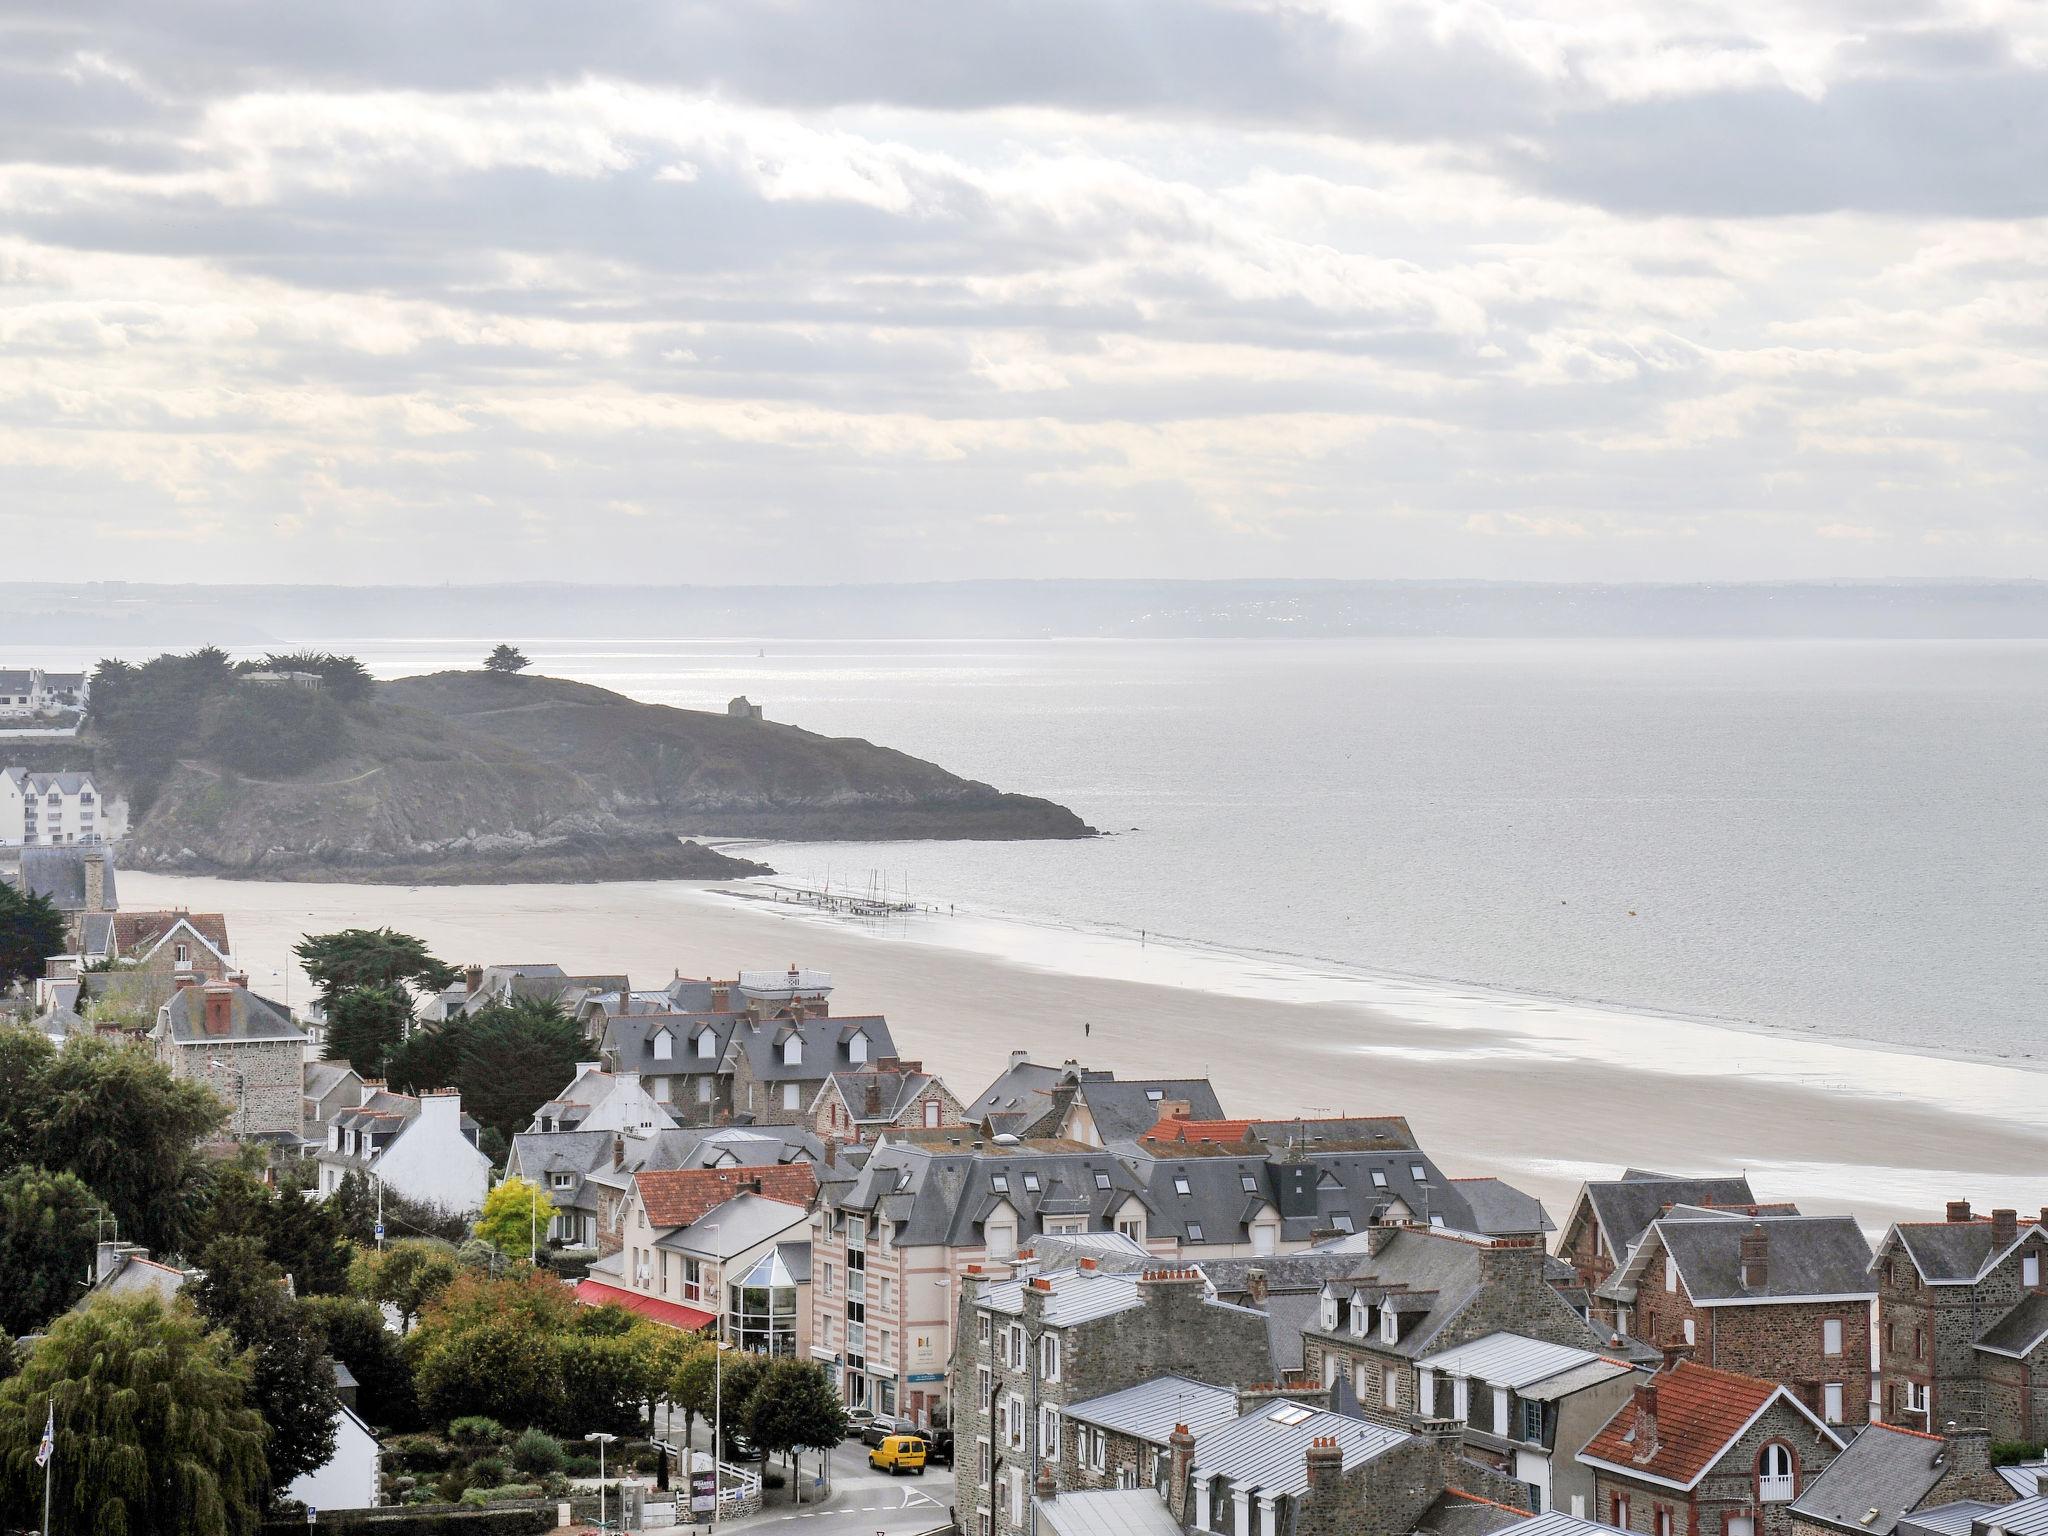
595,1293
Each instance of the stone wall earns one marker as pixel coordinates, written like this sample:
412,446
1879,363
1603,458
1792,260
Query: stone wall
1729,1489
1784,1341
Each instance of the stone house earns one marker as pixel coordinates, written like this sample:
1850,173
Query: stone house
330,1087
1286,1469
1528,1407
1121,1439
1960,1323
682,1058
715,1246
1029,1347
607,1175
1707,1452
1609,1216
778,1065
1889,1472
422,1147
243,1047
1415,1292
1787,1298
886,1095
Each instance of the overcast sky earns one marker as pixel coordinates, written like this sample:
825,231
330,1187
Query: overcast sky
857,289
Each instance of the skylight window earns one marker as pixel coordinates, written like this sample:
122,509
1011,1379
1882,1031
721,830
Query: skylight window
1031,1183
1155,1094
1195,1232
1289,1414
1418,1173
903,1180
1102,1178
1250,1183
1180,1184
1000,1183
1379,1178
1341,1221
1436,1221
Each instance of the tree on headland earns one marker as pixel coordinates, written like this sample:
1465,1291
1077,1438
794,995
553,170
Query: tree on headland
31,930
154,1430
342,678
506,660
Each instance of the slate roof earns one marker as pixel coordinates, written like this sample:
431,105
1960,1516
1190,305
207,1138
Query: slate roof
538,1155
628,1043
1149,1410
1884,1468
939,1194
1107,1512
678,1197
1077,1296
876,1096
824,1045
250,1017
2021,1331
1021,1097
1951,1252
1264,1452
1700,1411
688,994
1340,1133
1807,1256
136,933
1497,1208
1125,1110
1626,1206
59,873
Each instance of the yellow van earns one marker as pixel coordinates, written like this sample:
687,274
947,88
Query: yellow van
898,1454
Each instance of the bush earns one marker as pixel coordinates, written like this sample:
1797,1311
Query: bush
273,730
452,1522
536,1452
2013,1453
477,1497
476,1430
487,1472
418,1453
772,1480
581,1466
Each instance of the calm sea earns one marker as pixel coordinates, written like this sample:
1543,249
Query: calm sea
1841,837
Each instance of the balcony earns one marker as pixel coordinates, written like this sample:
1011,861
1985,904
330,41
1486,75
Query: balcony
1778,1489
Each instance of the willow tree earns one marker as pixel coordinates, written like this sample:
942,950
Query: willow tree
153,1428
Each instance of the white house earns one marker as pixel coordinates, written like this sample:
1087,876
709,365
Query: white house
348,1478
47,809
603,1101
423,1148
25,692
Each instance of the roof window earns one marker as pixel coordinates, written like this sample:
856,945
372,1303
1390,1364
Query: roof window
1289,1414
1180,1184
999,1182
1031,1183
1250,1182
1102,1178
1195,1232
1155,1094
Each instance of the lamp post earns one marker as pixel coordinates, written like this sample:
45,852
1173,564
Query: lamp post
717,1417
601,1440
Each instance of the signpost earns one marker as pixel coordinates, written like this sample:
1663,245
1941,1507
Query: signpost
703,1491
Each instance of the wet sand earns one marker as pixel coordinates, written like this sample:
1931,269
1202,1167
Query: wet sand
1540,1095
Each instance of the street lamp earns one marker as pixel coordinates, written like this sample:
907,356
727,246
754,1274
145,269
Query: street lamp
601,1439
717,1418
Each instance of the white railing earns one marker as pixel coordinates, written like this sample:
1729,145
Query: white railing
1776,1490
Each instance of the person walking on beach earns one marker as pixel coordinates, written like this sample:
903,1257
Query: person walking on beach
1087,1029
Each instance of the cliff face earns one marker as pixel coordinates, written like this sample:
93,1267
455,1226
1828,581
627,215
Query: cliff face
467,776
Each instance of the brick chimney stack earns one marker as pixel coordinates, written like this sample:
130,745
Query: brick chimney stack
1046,1489
1959,1210
95,880
472,977
1180,1450
1646,1421
2005,1228
1325,1465
220,1008
1756,1258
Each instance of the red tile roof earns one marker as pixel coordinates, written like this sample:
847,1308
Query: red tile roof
595,1293
1176,1128
136,931
675,1197
1699,1411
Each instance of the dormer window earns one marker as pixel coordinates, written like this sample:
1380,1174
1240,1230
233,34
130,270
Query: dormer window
664,1045
793,1051
1361,1319
1390,1326
1329,1318
184,954
857,1049
707,1046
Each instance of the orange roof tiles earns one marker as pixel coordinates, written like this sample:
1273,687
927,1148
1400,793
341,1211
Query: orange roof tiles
675,1197
1175,1128
1699,1409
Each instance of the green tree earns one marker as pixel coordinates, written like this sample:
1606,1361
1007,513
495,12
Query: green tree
507,1058
267,731
291,1382
370,957
114,1116
795,1409
154,1428
364,1025
300,1235
515,1216
31,930
740,1378
25,1057
411,1275
342,678
355,1205
505,660
48,1225
358,1337
608,1382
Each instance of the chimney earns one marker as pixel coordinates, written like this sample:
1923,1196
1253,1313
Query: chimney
1756,1258
1377,1236
1180,1450
1675,1355
472,977
1255,1285
186,979
1046,1488
1645,1431
1325,1467
220,1008
1019,1058
240,979
95,880
1959,1210
1511,1264
2005,1228
618,1150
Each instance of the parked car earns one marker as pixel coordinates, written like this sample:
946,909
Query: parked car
883,1425
898,1454
941,1442
857,1422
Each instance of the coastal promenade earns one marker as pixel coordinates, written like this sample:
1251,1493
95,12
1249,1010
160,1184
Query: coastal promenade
1539,1094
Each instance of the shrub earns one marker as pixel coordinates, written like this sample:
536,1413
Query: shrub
418,1453
487,1472
2012,1453
476,1429
477,1497
772,1479
581,1466
537,1452
264,731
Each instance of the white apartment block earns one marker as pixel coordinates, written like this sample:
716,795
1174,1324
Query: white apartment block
49,809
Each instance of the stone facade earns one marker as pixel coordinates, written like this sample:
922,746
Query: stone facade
1003,1364
933,1107
1779,1341
268,1098
1968,1475
1730,1491
1393,1490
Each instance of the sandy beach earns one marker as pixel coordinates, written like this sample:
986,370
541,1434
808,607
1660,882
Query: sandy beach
1543,1094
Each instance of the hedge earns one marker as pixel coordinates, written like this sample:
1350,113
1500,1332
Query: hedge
424,1520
